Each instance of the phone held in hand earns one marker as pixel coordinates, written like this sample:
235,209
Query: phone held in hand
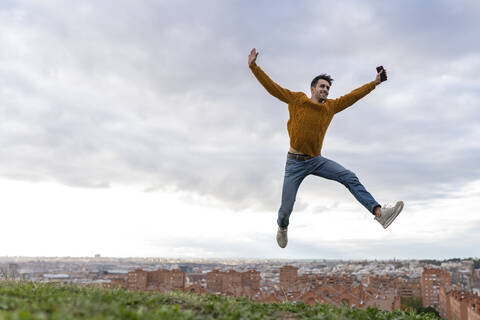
383,75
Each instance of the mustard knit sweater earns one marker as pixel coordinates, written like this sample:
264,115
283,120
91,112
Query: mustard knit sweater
309,121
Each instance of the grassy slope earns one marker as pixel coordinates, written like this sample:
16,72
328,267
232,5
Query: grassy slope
26,300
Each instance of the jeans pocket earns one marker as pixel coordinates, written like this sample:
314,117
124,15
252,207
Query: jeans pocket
292,166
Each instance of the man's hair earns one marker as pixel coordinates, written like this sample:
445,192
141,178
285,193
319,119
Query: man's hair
323,76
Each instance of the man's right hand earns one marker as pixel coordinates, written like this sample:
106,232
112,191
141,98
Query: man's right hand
252,57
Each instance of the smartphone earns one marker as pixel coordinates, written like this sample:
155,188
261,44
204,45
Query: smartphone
383,75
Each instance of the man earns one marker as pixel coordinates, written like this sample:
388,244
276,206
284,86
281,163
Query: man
308,123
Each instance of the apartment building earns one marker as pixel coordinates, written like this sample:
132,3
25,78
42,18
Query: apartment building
234,283
432,280
408,288
459,305
158,280
381,281
288,279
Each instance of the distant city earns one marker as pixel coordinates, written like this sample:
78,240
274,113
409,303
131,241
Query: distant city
450,287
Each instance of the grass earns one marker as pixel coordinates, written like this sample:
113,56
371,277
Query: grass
27,300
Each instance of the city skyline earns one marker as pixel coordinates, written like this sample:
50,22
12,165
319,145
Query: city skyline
451,288
132,130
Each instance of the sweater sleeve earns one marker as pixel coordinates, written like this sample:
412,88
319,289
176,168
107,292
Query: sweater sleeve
347,100
274,89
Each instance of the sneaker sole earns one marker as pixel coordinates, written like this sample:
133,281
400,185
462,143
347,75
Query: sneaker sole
394,216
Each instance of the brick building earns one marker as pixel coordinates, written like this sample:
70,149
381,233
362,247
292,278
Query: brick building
444,302
340,289
474,309
288,279
334,279
408,288
165,280
215,281
335,289
292,282
159,280
381,281
137,280
432,280
251,280
115,280
459,305
234,283
117,283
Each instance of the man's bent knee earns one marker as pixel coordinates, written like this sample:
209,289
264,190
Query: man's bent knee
348,177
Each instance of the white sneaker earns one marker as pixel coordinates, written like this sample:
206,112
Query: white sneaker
282,237
389,214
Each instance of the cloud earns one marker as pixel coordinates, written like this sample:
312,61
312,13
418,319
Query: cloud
264,246
100,94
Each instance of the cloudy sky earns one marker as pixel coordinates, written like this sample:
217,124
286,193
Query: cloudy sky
135,128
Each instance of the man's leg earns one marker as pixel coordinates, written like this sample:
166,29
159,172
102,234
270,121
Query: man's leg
295,172
331,170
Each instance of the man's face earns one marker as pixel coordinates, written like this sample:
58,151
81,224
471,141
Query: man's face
320,91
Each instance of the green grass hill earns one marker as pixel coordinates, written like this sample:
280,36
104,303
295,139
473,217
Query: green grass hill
27,300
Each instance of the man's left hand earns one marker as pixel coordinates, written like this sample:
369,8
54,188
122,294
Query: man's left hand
378,79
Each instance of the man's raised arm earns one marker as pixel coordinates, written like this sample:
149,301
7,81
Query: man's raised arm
347,100
274,89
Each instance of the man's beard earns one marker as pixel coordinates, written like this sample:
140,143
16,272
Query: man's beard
322,98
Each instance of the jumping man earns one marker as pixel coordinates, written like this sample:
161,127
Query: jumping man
308,123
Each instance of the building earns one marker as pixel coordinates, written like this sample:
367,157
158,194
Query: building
215,281
340,289
288,279
444,302
234,283
432,280
251,281
474,309
159,280
165,280
137,280
381,281
408,288
459,304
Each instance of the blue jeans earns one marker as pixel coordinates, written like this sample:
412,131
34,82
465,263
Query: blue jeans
297,170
